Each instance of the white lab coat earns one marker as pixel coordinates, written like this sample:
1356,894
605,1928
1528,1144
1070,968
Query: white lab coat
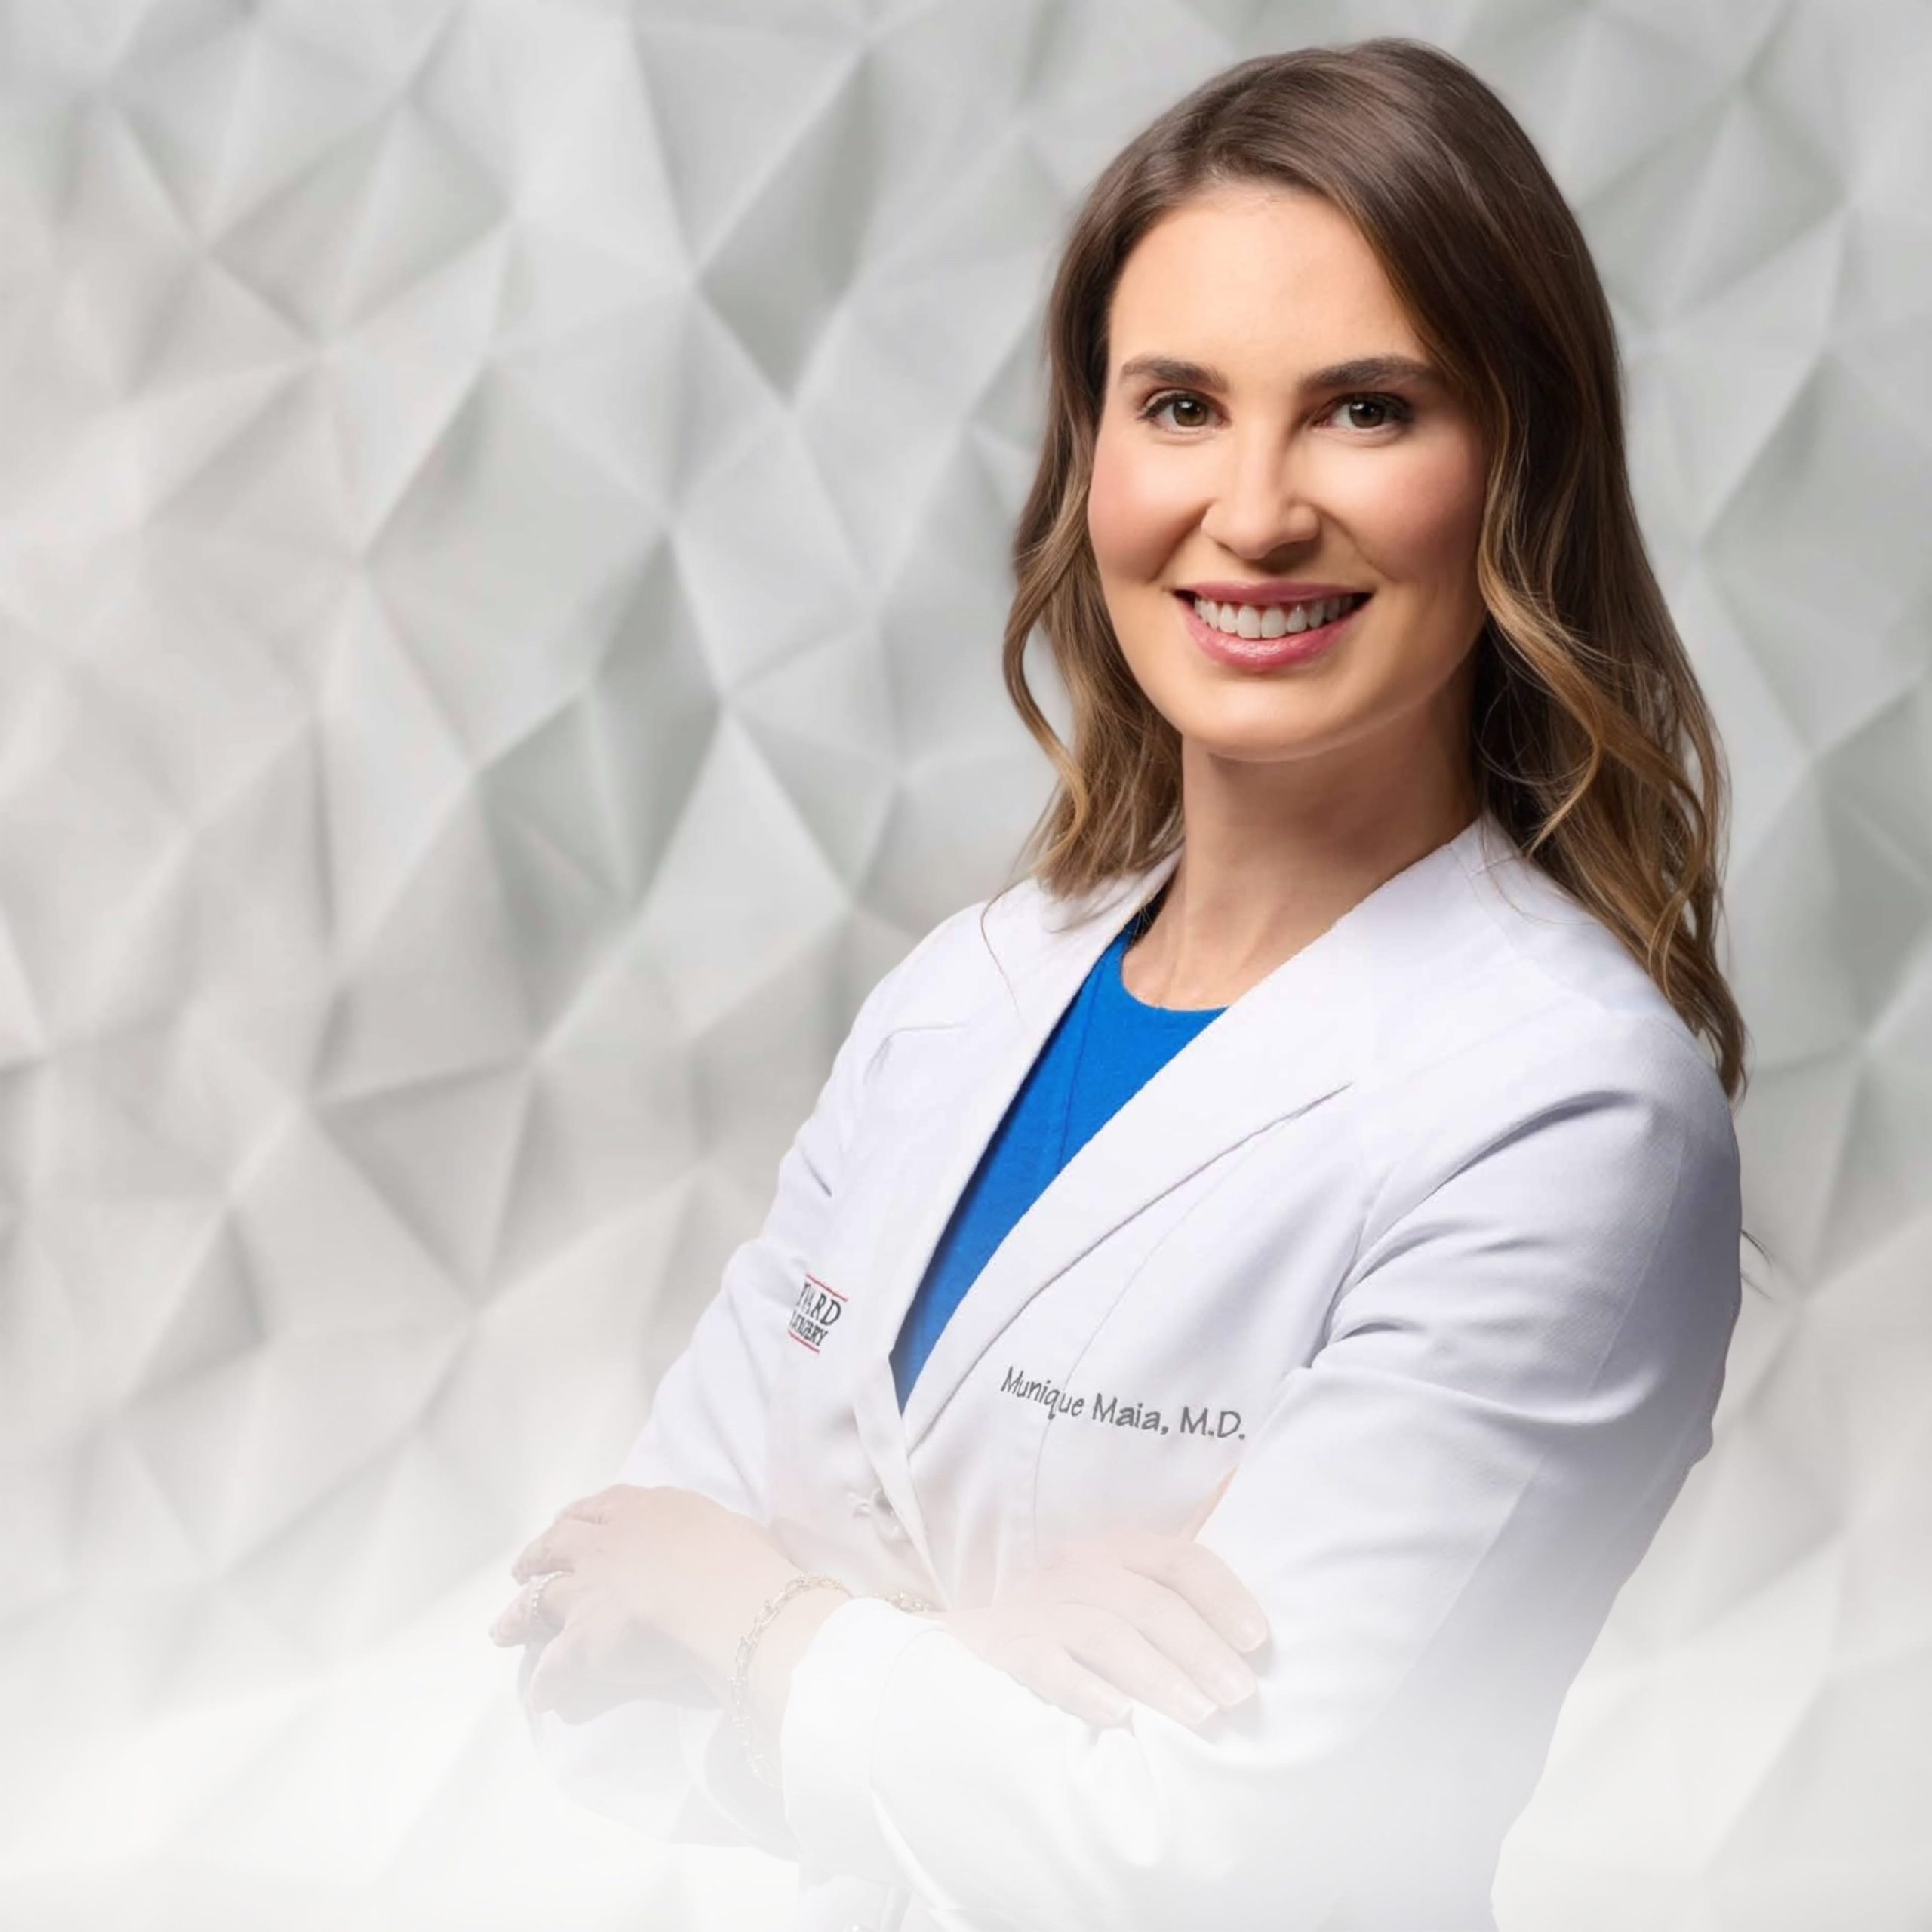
1432,1239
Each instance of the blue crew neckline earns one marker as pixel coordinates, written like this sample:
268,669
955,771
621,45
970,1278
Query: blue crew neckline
1113,978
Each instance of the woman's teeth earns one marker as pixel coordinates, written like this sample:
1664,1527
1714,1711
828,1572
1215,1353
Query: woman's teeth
1274,619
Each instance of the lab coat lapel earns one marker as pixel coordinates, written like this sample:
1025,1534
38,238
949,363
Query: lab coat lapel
1296,1039
1288,1043
996,1047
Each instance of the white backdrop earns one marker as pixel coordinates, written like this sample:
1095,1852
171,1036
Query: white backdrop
503,511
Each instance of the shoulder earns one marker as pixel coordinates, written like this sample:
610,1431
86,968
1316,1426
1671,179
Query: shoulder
1549,1121
975,955
944,977
1530,1025
1508,968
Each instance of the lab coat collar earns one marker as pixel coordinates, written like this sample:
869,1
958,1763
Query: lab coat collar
1293,1040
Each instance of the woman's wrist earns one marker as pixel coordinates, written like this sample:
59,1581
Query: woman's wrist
777,1650
762,1677
726,1613
785,1642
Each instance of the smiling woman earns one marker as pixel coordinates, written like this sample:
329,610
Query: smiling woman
1329,315
1249,1291
1268,290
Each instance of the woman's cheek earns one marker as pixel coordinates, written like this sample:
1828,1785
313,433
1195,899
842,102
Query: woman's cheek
1422,519
1130,517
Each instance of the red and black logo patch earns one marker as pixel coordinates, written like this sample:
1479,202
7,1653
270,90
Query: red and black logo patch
815,1313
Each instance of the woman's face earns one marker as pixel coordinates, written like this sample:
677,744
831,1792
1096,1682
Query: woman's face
1268,462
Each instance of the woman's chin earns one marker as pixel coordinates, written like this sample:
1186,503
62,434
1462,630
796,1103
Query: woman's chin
1248,732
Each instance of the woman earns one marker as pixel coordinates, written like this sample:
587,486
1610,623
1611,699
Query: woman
1247,1294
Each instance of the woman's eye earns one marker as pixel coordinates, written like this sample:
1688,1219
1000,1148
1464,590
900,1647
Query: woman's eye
1382,411
1393,409
1152,410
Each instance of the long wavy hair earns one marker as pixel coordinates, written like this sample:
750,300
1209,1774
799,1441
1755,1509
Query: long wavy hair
1593,745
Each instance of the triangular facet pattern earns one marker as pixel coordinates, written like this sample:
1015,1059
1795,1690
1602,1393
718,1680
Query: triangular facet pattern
504,512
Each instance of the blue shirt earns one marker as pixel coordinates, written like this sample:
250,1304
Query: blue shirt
1104,1049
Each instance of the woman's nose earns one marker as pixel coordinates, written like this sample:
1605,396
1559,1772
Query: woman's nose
1260,501
1262,507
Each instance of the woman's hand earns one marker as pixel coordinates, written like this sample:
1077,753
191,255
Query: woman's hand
642,1581
1159,1618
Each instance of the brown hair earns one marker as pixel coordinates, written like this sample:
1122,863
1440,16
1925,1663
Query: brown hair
1585,703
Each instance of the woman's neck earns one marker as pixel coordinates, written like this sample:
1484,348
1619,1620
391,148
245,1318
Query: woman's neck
1252,887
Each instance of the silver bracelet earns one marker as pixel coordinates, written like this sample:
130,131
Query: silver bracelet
741,1713
761,1766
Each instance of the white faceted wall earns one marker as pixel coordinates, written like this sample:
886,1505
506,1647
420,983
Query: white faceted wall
503,517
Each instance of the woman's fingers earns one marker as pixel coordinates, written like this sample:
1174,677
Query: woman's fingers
1170,1628
1121,1654
1192,1570
562,1546
1086,1659
1051,1671
1189,1611
601,1507
1027,1641
532,1614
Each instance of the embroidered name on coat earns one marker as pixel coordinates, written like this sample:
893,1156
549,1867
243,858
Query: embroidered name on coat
815,1313
1119,1410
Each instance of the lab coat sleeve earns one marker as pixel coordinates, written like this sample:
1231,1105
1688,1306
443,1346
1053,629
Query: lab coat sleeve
1519,1369
672,1767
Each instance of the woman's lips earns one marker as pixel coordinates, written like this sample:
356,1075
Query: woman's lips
1263,654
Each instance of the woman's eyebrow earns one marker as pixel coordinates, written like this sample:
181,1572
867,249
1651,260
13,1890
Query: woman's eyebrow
1359,372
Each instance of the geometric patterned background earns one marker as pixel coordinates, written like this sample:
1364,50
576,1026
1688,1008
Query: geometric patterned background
503,512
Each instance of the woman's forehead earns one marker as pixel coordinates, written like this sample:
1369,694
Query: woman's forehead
1256,285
